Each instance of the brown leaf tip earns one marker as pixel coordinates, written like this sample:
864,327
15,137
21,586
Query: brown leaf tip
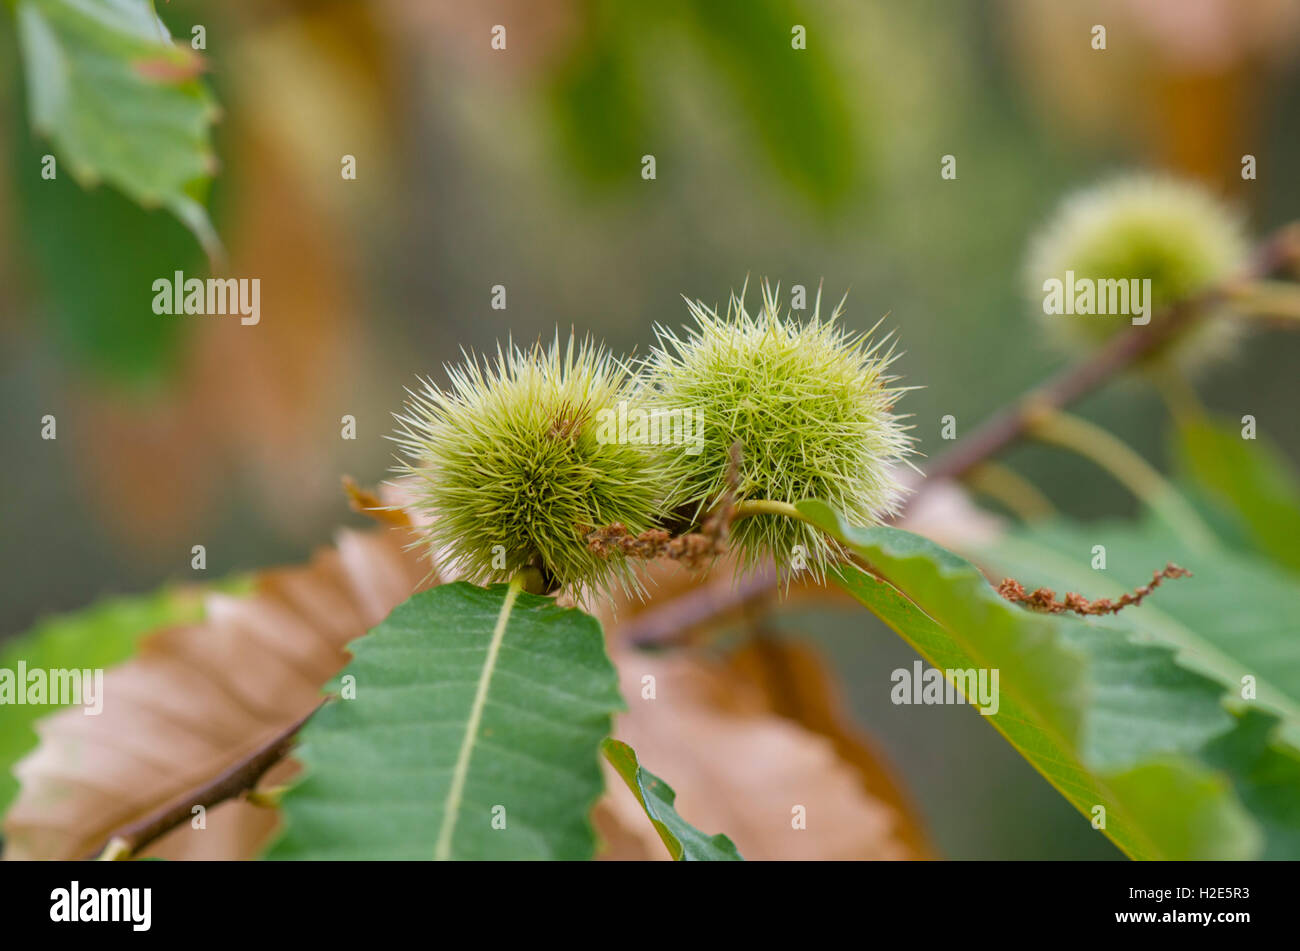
365,502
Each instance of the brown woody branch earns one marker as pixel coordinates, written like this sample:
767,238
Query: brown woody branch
1118,353
674,621
237,780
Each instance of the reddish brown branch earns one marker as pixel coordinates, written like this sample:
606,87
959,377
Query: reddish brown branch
238,779
661,626
1044,599
1118,353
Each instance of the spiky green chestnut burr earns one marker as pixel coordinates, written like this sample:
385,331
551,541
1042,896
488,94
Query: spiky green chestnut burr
513,467
1140,226
811,406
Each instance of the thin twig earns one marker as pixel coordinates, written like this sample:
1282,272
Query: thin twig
676,619
1097,444
1016,493
667,624
1116,354
234,781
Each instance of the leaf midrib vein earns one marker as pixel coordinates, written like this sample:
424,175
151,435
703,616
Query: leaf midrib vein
455,792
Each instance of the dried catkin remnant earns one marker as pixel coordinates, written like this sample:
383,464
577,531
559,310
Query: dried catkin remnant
1044,599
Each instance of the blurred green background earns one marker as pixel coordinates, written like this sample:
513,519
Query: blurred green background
522,168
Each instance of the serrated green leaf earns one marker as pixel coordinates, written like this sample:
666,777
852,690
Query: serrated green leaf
685,842
1236,617
94,281
1192,809
1266,775
121,103
474,734
1107,720
1249,479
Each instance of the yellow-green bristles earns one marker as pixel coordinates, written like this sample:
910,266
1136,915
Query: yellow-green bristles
811,407
514,469
1134,228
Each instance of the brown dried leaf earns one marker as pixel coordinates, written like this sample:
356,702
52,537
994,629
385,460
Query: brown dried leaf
741,749
740,773
796,683
197,699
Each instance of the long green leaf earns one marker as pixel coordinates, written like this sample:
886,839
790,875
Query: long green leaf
685,842
474,734
1235,618
1266,775
1109,721
1250,479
